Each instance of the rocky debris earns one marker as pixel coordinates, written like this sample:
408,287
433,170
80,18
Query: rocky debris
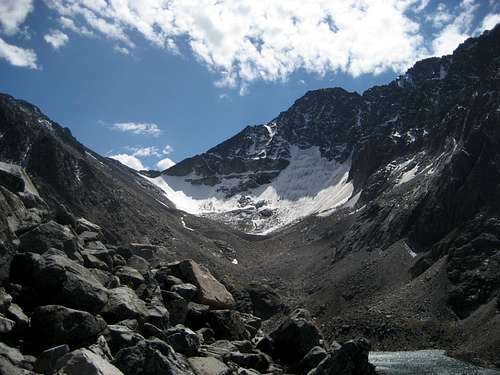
123,304
228,324
120,337
265,301
208,366
46,361
210,291
295,337
150,357
129,276
350,358
59,280
84,361
186,291
57,325
183,340
256,361
177,307
50,235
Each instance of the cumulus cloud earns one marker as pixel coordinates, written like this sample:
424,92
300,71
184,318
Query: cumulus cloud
13,13
139,128
244,41
456,31
167,150
165,164
17,56
56,38
489,22
129,160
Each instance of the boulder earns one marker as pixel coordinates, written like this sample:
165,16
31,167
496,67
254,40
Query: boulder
208,366
65,282
311,360
5,300
83,225
46,361
350,359
120,337
138,263
107,279
91,261
63,216
129,276
183,340
210,291
15,313
6,325
227,324
57,325
256,361
51,234
158,316
265,301
197,315
84,362
150,357
295,337
176,306
11,361
122,304
185,290
12,181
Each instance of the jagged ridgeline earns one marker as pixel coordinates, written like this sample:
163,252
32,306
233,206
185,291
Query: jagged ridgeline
379,212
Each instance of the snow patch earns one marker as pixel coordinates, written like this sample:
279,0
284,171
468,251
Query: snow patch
309,185
184,224
408,176
234,261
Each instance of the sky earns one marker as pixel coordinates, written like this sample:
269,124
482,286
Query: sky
151,82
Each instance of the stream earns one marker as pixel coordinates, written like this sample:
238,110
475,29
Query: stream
424,362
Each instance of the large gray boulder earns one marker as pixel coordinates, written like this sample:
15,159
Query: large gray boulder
183,340
295,337
123,304
48,235
350,359
208,366
210,291
65,282
84,362
151,357
55,325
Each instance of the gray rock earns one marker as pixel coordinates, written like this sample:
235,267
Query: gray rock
57,325
208,366
84,362
183,340
129,276
211,292
158,316
15,313
46,361
138,263
120,337
51,234
151,357
227,324
122,304
6,325
185,290
295,337
256,361
176,306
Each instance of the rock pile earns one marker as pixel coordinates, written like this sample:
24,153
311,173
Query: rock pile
72,304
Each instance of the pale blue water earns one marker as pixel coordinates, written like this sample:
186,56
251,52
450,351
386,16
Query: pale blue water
424,362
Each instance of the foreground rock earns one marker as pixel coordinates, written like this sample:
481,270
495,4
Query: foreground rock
210,291
84,362
295,337
57,325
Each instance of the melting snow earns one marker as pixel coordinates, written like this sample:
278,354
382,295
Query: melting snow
408,176
235,261
309,185
184,224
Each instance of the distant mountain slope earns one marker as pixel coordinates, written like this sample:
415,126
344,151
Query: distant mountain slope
332,145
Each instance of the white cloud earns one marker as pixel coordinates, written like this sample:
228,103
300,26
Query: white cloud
247,40
129,160
165,164
56,38
17,56
121,50
455,32
167,150
489,22
13,13
139,128
144,151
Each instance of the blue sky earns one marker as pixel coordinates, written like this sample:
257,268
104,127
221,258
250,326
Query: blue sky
144,81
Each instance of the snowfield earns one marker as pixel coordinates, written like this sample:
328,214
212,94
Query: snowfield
309,185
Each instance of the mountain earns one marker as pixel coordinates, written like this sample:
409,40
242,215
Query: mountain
379,212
